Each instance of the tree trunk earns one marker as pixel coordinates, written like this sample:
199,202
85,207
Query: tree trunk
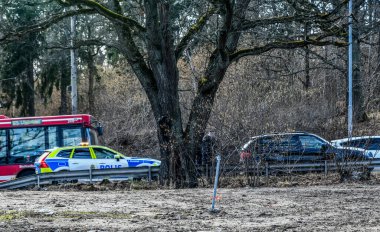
214,74
163,62
357,80
92,72
30,89
64,82
91,81
331,90
160,81
307,60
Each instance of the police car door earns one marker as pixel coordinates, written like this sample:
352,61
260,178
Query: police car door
106,159
81,159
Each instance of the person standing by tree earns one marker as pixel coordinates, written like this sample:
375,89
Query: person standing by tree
208,151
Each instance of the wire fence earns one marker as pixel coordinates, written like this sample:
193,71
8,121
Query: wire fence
254,170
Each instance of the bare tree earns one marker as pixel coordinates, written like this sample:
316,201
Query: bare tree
152,37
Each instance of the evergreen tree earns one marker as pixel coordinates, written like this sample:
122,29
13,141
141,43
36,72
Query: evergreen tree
17,69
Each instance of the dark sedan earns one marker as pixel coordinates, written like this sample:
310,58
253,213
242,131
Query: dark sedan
296,147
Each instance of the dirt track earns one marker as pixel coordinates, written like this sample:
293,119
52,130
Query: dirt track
353,207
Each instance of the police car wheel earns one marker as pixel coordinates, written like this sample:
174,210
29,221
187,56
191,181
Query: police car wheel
27,172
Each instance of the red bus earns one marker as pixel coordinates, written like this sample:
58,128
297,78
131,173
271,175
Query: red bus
22,140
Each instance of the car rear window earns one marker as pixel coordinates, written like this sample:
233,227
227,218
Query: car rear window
361,143
367,143
375,144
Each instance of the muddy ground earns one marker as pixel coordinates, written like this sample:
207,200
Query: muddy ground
336,207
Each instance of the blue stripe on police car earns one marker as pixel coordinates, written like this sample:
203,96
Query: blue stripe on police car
57,163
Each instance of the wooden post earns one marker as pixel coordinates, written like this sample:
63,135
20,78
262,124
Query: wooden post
267,172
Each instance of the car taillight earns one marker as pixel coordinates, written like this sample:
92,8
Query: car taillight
42,162
244,155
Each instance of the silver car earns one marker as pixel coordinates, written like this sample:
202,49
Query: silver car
371,144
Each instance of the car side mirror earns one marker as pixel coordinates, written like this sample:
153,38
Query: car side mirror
117,157
324,148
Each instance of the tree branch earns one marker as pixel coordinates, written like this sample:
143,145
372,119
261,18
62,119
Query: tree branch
328,62
319,19
291,44
109,14
323,19
20,32
193,30
82,43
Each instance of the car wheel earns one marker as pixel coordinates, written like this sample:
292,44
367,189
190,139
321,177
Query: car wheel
27,172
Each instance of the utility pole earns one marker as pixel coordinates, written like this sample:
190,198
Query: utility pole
73,62
349,113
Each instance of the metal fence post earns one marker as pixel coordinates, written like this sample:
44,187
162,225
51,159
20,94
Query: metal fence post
90,172
149,174
38,180
218,158
325,168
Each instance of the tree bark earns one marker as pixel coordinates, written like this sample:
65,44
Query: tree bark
357,80
64,82
307,83
30,88
162,60
91,81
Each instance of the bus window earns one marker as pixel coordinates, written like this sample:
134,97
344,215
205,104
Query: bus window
72,136
26,144
3,146
93,136
53,136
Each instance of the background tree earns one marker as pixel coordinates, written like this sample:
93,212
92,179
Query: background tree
17,68
158,72
155,36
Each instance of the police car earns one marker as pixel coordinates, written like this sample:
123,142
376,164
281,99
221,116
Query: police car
371,144
85,157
